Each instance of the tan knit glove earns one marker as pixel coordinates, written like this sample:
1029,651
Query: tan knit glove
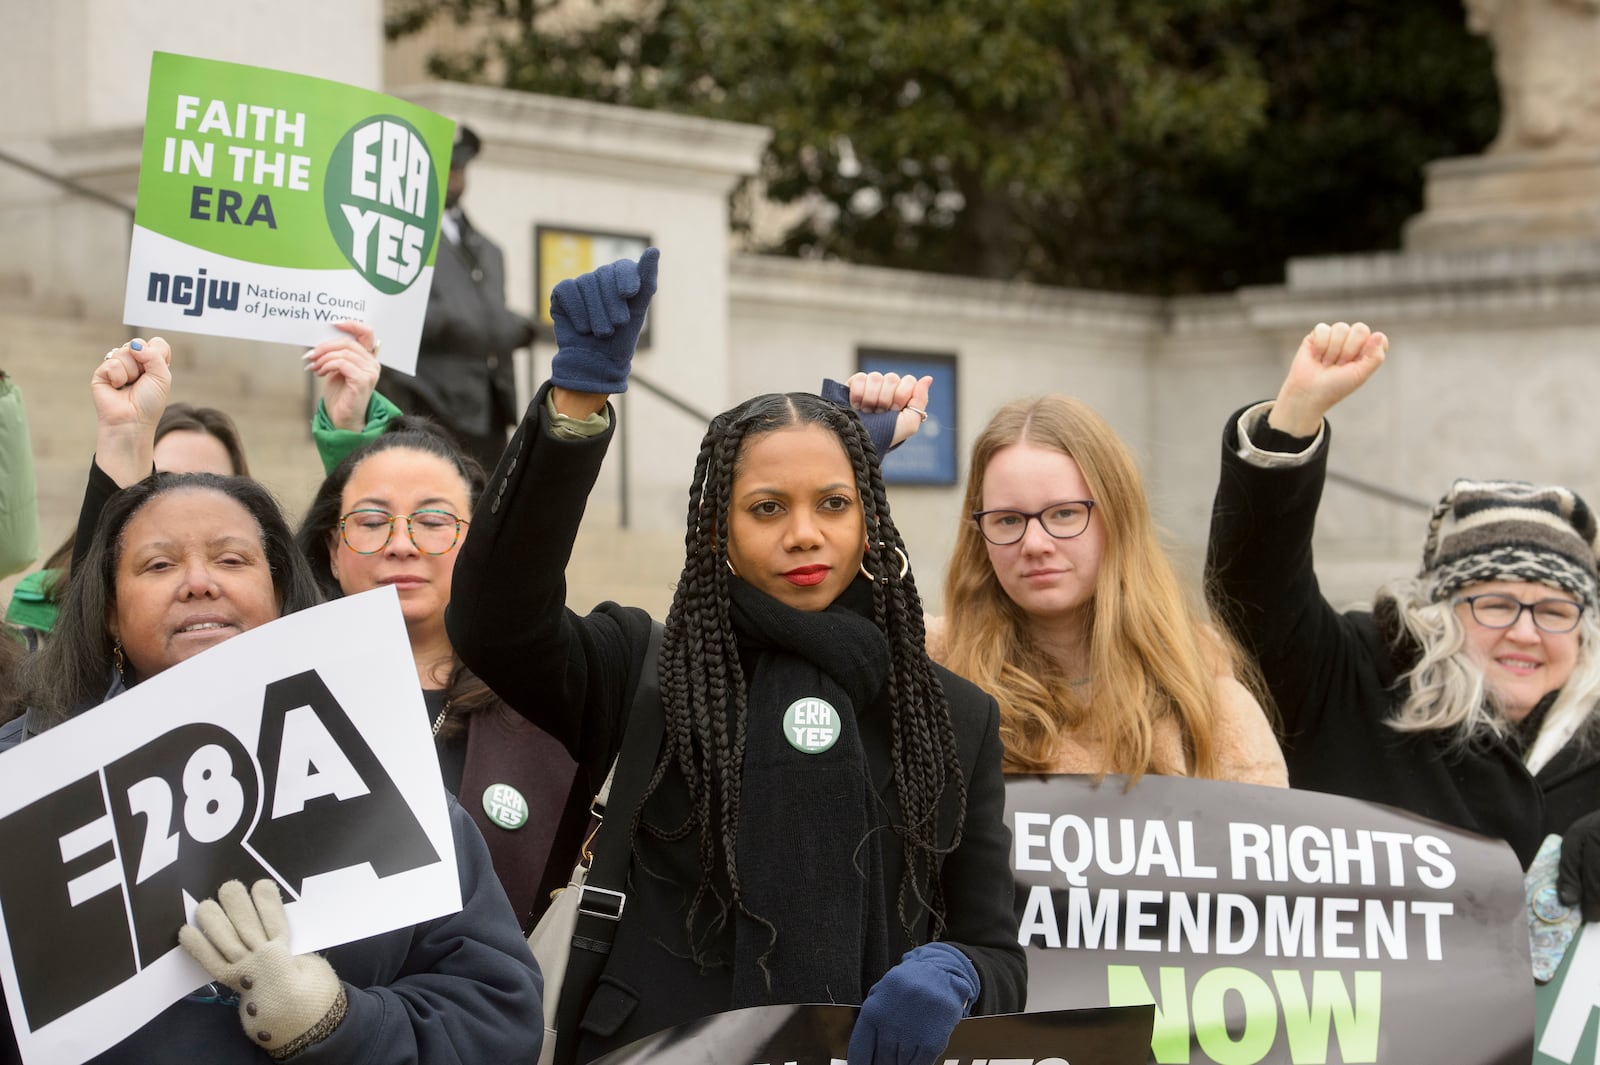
287,1002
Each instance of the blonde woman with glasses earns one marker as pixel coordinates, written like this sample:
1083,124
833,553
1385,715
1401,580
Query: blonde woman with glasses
1063,604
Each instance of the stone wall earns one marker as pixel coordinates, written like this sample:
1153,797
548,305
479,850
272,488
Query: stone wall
1493,369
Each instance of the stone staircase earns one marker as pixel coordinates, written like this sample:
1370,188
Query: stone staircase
51,349
635,567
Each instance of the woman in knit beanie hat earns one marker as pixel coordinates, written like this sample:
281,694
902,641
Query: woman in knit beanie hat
1508,580
1467,693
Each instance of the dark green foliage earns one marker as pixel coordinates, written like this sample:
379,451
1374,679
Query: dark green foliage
1141,145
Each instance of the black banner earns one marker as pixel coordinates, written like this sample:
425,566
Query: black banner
1271,925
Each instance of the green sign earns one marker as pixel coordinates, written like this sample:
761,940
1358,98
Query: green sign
386,216
1566,1008
272,205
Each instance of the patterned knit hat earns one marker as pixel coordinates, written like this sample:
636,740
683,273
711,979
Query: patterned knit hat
1511,531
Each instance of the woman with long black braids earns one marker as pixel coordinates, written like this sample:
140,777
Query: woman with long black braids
823,822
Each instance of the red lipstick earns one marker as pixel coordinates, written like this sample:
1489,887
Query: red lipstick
807,576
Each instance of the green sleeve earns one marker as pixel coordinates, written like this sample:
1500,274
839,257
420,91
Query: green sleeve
334,444
565,427
33,601
19,506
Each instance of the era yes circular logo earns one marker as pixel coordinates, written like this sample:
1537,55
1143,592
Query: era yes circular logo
382,200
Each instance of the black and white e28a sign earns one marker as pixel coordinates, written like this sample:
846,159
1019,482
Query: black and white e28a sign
298,752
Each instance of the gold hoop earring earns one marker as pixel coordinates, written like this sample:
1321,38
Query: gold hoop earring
905,564
731,570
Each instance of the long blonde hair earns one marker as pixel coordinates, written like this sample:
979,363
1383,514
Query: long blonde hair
1152,652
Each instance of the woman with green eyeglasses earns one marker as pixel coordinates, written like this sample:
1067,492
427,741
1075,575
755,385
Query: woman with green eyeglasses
1466,693
394,512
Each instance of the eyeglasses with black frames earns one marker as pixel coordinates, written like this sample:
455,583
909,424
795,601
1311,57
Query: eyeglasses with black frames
434,532
1496,611
1063,520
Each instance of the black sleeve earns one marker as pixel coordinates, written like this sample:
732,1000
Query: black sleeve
1262,583
95,497
469,990
978,884
571,675
1266,438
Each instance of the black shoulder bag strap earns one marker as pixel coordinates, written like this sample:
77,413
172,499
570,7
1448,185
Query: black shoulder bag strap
605,897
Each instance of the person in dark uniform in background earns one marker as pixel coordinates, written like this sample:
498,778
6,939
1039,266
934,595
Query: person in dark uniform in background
464,376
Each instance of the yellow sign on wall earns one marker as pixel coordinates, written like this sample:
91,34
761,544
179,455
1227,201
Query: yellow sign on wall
560,253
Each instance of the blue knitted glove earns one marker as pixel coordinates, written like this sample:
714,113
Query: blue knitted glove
880,424
909,1014
597,319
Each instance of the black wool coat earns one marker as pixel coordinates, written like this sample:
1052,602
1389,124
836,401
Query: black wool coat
575,676
1335,676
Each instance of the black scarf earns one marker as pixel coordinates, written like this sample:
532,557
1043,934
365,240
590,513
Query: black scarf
1523,734
809,845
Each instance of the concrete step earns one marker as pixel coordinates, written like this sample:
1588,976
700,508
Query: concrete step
56,363
15,285
17,295
269,418
635,567
52,354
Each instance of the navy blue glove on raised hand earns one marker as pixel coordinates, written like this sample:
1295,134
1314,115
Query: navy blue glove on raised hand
880,424
909,1014
1578,881
597,319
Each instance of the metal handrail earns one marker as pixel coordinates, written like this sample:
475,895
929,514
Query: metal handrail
75,187
673,401
683,406
1378,491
